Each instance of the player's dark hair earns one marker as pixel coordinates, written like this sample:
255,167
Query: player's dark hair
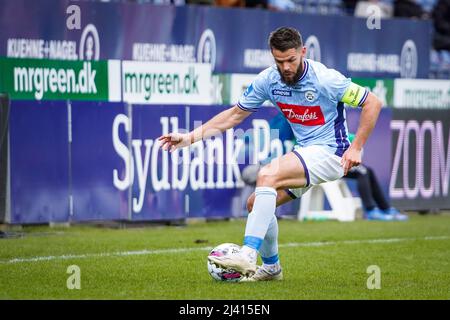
285,38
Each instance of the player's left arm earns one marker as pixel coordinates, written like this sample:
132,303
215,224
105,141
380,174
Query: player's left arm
371,107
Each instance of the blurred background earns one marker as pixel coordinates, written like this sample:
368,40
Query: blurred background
88,86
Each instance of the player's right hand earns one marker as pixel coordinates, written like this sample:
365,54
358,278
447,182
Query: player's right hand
173,141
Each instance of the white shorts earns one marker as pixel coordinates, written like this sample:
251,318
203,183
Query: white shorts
320,164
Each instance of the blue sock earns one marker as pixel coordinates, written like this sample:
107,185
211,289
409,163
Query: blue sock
259,219
269,247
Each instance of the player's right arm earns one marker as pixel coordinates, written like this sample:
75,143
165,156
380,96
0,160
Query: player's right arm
250,101
223,121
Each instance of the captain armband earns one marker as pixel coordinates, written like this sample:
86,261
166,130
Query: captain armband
355,95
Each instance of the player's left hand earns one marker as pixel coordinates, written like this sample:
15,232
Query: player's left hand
351,158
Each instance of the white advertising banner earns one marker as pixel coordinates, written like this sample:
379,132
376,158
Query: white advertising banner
422,93
166,83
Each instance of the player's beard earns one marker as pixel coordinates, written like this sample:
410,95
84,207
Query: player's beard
292,81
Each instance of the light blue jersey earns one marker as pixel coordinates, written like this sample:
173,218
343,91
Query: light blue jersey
314,106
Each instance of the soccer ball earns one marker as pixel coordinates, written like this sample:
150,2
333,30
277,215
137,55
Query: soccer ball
219,273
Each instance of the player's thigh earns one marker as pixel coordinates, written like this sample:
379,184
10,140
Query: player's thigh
282,198
284,172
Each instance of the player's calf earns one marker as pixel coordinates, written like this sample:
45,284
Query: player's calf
282,198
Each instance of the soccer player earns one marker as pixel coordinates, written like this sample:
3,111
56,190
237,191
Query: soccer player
312,98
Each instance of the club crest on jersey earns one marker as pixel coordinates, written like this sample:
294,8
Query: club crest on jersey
309,95
304,115
280,92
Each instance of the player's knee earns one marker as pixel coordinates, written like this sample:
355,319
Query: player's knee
266,178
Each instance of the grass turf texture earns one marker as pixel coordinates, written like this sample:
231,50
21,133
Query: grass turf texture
321,260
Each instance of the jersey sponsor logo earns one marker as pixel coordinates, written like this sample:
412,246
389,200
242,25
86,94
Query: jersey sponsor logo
304,115
280,92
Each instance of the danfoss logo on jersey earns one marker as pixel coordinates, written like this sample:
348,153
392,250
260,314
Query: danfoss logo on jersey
305,115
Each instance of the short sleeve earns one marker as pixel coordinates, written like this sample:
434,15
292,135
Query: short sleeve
335,84
255,95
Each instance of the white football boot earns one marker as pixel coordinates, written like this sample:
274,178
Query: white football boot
240,262
264,274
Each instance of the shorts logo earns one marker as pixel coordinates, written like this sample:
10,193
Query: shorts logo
309,95
284,93
304,115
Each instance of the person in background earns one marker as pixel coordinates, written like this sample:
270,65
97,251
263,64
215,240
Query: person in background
441,17
409,9
376,205
365,9
164,2
349,6
201,2
281,5
229,3
262,4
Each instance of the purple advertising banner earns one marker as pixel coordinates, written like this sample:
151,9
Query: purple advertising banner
85,161
420,159
377,150
158,182
232,40
95,168
39,162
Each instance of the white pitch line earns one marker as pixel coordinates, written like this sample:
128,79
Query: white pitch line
182,250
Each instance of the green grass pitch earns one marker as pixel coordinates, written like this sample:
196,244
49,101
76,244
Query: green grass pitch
321,260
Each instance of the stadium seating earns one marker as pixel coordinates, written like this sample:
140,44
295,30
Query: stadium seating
439,64
427,5
318,7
